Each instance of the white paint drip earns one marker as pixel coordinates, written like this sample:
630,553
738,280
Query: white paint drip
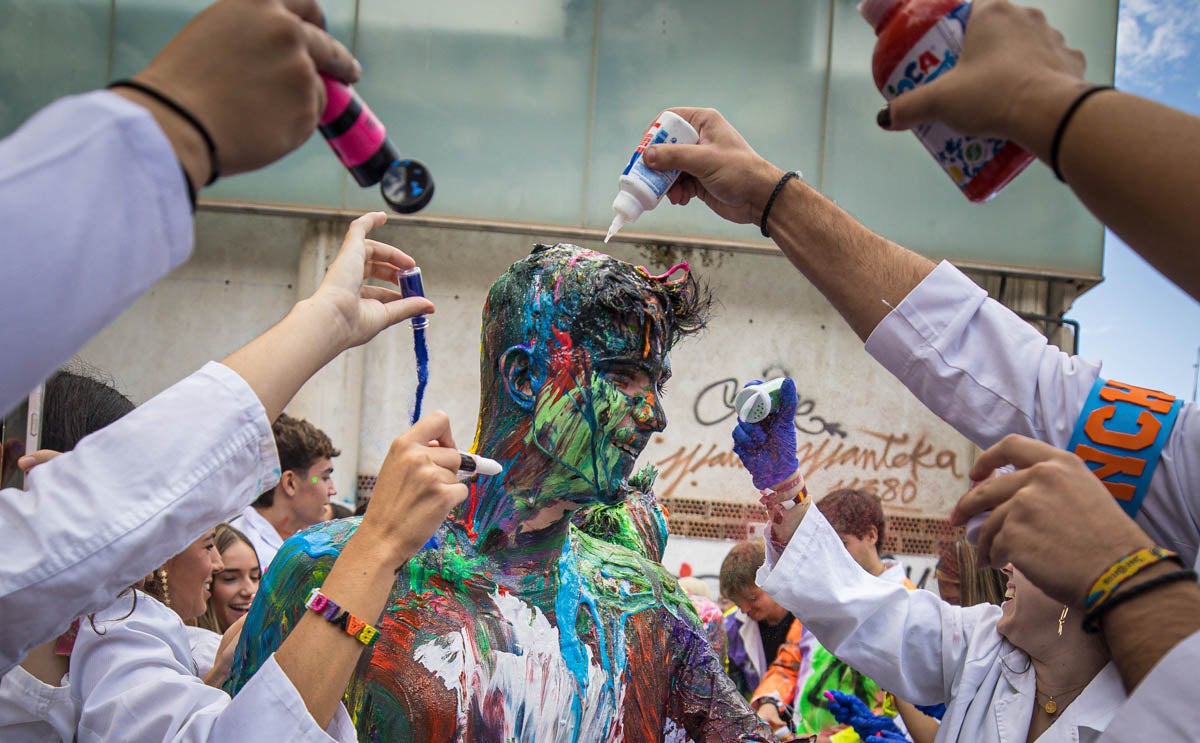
530,687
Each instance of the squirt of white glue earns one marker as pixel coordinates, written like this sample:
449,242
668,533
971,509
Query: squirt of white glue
641,186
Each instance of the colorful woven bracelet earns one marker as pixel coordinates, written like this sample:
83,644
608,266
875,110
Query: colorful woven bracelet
1091,620
1124,569
350,624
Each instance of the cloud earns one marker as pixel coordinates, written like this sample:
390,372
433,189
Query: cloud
1155,39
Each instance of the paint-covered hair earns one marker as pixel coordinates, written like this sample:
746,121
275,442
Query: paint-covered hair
854,512
739,568
584,294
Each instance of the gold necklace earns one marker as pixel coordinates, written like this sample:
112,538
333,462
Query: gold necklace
1050,707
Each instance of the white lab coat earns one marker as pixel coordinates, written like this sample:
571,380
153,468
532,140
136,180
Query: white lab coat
35,712
99,518
134,681
93,211
987,373
923,649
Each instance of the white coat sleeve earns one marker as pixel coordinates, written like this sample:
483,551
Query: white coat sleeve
134,683
94,210
1164,706
99,518
988,373
910,642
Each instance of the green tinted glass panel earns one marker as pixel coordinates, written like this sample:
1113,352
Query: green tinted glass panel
761,64
491,96
48,49
891,183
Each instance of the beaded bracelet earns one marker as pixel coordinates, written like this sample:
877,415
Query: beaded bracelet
1124,569
1091,621
347,622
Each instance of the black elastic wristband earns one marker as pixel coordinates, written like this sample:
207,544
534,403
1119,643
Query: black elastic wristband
1091,622
762,223
186,115
1062,126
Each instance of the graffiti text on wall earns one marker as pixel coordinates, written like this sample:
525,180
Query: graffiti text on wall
890,464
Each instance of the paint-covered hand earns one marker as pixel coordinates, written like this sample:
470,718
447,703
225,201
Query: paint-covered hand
1051,518
248,70
721,168
768,448
358,310
1015,78
850,710
417,487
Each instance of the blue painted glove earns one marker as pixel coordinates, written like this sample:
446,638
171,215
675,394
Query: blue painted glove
850,710
933,710
768,448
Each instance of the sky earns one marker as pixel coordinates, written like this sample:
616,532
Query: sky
1146,330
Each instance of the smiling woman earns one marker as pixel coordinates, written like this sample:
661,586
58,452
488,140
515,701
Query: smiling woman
234,586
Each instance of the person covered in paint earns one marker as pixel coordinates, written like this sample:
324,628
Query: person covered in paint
300,498
512,624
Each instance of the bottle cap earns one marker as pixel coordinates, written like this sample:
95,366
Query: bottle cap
875,11
407,186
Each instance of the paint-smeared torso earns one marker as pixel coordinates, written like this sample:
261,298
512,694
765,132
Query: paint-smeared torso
618,656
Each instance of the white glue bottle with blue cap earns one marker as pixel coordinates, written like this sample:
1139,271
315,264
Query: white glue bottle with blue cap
643,187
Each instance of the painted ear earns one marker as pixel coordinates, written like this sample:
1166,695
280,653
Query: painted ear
516,366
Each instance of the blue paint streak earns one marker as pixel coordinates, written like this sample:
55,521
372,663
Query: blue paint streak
422,369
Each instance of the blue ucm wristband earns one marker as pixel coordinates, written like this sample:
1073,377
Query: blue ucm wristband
1120,435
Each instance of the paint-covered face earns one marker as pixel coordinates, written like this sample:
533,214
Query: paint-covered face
595,412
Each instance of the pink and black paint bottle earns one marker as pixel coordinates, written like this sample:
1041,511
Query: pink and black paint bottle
361,142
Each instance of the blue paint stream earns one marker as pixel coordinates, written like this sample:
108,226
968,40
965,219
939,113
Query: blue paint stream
422,369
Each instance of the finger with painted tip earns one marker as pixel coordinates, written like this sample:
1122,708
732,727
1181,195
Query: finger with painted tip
473,464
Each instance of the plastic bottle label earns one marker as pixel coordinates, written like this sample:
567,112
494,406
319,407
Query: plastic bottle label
657,181
961,156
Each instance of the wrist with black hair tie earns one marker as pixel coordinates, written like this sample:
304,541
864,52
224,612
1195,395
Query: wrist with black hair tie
762,223
1056,142
190,118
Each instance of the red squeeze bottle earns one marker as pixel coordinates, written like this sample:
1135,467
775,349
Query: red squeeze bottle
918,41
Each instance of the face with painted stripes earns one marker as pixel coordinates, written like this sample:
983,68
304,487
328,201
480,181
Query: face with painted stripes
597,408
